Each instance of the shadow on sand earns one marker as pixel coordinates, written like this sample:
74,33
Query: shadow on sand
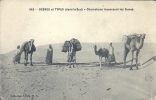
153,58
96,64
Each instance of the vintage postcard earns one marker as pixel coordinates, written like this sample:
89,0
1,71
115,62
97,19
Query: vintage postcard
77,50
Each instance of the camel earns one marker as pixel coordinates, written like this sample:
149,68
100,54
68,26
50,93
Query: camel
71,47
102,52
28,48
133,43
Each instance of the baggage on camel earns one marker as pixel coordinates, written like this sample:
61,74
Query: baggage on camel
65,46
77,44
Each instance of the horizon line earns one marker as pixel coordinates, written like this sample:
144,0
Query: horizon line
81,43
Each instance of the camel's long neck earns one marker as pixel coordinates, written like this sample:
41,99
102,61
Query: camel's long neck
95,50
141,43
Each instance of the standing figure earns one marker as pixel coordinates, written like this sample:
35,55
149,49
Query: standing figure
111,56
17,55
49,56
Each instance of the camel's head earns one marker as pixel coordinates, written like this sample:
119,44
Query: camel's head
142,36
94,46
132,36
95,49
32,41
126,38
31,44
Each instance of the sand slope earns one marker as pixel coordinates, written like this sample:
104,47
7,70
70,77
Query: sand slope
84,82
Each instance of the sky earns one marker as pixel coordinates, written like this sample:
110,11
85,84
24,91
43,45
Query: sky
18,24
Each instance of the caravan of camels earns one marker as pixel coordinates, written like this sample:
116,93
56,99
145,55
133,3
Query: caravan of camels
132,43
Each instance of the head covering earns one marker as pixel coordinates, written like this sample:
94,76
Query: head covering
110,44
18,46
50,46
32,40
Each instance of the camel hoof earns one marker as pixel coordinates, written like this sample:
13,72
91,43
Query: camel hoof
130,69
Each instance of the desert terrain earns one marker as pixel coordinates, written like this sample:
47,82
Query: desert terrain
84,82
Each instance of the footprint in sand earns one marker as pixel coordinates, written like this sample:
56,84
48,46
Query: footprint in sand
86,85
74,84
149,78
85,92
108,89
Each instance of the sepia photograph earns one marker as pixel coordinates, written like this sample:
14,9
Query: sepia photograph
77,50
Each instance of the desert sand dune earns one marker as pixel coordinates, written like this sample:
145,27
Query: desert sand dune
84,82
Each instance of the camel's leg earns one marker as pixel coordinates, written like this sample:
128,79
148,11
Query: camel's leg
74,63
126,51
72,60
27,55
25,61
31,59
101,62
105,62
75,58
114,58
69,64
137,53
132,60
26,58
67,59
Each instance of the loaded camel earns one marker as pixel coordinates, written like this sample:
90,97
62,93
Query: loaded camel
102,52
28,48
133,43
71,47
72,54
71,57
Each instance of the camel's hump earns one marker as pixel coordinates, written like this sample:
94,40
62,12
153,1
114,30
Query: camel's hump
103,49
